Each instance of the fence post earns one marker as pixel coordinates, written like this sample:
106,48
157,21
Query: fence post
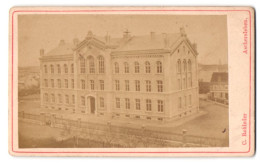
184,133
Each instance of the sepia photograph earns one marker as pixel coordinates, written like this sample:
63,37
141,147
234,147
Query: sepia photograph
122,81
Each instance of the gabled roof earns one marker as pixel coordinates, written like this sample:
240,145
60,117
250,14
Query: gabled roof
62,49
219,77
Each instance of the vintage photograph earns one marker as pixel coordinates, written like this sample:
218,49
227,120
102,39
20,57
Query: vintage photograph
123,81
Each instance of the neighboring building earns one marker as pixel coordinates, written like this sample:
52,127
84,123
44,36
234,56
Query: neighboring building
150,77
219,87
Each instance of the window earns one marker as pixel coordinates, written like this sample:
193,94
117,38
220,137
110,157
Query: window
179,66
82,65
137,68
184,66
46,82
83,86
73,99
72,68
179,84
179,104
60,98
147,67
160,106
126,67
52,98
127,103
184,83
45,69
66,83
46,98
148,86
185,101
52,83
102,86
92,85
67,99
116,68
72,83
101,102
127,85
91,65
65,69
189,65
190,100
101,64
148,105
137,85
58,69
159,66
160,85
52,69
117,102
137,104
189,81
117,85
83,102
59,83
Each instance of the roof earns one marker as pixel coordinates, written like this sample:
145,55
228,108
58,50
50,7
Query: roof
148,42
62,49
219,77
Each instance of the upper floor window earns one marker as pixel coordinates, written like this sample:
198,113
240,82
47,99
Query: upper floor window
83,84
189,65
137,85
184,66
185,101
116,68
65,68
126,67
160,85
117,102
72,68
46,98
101,102
72,83
179,103
45,69
59,83
46,82
190,100
148,86
117,84
91,65
179,66
137,104
52,69
127,103
101,64
159,66
52,98
52,83
58,69
60,98
67,99
66,83
127,85
160,106
73,99
147,67
92,85
82,65
148,105
137,67
102,85
179,84
83,101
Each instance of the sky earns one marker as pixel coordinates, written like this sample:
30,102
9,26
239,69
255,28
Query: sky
39,31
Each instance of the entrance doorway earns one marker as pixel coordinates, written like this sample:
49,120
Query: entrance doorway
92,105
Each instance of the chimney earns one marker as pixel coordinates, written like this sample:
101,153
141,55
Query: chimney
90,34
76,41
107,38
152,35
41,52
62,42
126,34
182,31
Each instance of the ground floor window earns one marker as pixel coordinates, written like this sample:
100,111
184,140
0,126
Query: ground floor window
127,103
160,106
102,102
83,101
148,105
117,102
137,104
179,103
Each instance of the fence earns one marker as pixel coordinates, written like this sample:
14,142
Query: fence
118,133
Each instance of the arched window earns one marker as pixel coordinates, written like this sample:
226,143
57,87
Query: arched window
184,66
179,66
45,69
147,67
159,66
52,69
101,64
72,68
91,65
126,67
189,65
65,69
116,67
58,69
82,65
137,68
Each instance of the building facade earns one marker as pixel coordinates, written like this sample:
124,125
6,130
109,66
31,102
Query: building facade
219,87
153,77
